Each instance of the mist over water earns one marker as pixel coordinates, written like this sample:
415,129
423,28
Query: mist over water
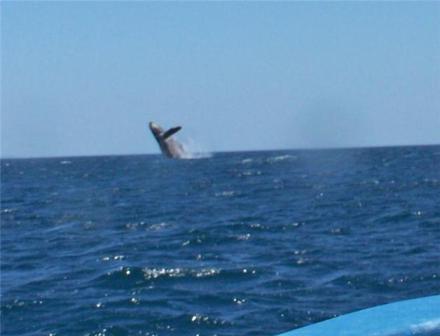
246,243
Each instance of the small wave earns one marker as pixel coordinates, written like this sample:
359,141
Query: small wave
136,276
340,231
226,193
11,210
370,182
17,304
250,173
65,162
159,226
280,158
245,236
154,273
116,257
206,320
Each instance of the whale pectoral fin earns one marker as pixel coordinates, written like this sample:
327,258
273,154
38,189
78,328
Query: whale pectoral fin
170,132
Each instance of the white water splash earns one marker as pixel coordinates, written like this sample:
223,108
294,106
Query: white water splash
194,150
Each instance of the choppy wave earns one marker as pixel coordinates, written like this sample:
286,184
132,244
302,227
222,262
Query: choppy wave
251,243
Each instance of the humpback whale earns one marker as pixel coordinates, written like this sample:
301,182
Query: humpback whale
168,146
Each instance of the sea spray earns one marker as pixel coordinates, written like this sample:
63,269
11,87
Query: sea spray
194,150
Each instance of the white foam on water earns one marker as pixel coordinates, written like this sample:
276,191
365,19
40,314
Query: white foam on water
281,158
226,193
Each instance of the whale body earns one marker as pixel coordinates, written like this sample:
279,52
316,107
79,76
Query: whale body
169,147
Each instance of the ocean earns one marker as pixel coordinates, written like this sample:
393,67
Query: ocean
240,243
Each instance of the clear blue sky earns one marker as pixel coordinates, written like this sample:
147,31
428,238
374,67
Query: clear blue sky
84,78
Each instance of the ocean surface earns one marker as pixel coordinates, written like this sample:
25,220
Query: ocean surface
246,243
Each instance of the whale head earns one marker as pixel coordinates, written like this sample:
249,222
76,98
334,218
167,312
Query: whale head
155,129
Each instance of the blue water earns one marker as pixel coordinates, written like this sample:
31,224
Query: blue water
249,243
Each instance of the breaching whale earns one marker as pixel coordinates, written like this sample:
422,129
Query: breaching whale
168,146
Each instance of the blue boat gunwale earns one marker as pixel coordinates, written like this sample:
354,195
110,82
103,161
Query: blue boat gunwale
419,316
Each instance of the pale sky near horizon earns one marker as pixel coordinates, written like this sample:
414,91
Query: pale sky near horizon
84,78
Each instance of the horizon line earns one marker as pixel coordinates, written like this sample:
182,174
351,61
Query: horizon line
225,151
